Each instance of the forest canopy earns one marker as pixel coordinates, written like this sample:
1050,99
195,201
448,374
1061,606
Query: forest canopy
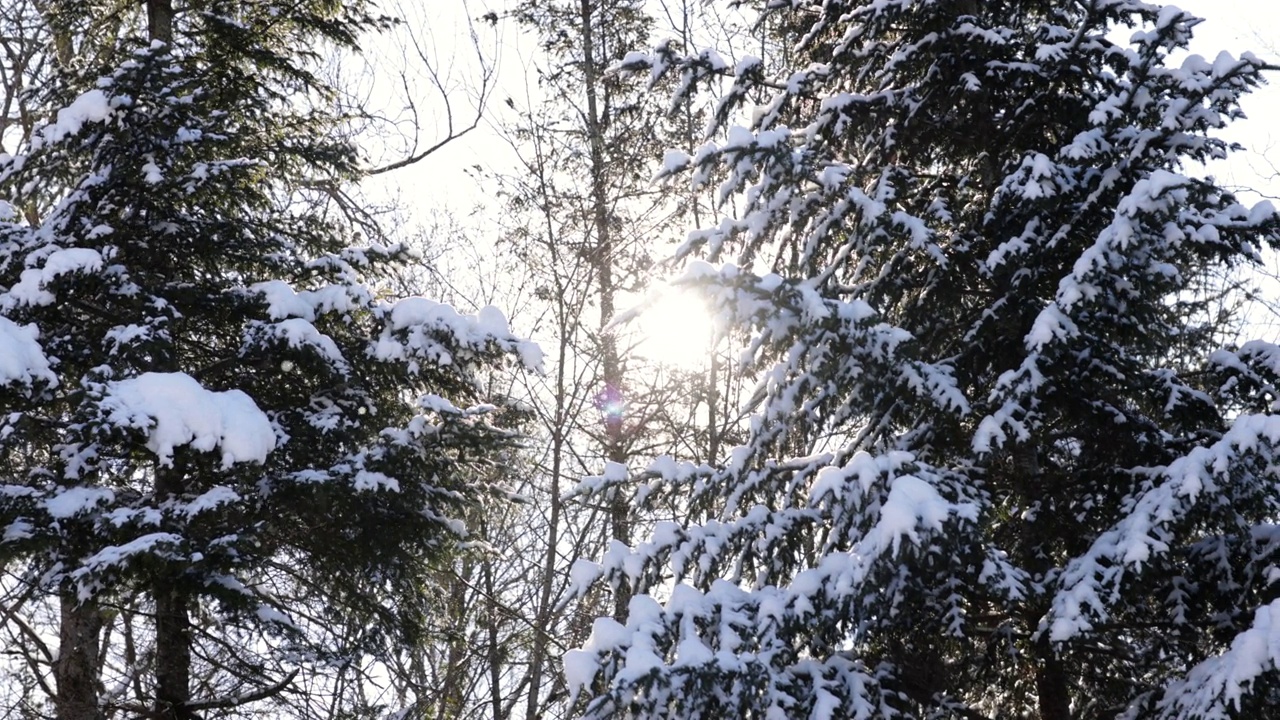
965,407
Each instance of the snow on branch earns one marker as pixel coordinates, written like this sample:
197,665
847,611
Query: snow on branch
1091,579
175,410
419,329
1214,689
22,360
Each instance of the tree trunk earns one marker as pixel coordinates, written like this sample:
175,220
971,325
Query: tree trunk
173,623
544,620
1053,697
160,20
173,652
611,364
1051,685
449,693
75,671
497,658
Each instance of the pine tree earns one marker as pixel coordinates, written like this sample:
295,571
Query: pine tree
212,419
998,466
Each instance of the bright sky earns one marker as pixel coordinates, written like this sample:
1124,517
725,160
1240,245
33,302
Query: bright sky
446,178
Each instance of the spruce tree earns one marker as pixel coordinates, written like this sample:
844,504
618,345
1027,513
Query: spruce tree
212,418
999,466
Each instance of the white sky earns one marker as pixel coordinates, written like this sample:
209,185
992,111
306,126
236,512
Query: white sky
444,179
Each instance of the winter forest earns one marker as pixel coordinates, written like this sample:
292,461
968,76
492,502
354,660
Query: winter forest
793,360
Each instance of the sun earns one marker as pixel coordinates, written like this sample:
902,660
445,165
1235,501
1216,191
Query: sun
673,327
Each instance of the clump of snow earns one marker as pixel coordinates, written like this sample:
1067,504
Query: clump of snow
176,410
268,614
581,576
580,668
614,474
607,634
74,500
31,287
92,106
285,302
913,503
422,320
685,600
212,498
692,651
22,360
162,544
411,311
1050,325
643,609
491,321
152,174
298,333
434,403
674,161
20,529
368,480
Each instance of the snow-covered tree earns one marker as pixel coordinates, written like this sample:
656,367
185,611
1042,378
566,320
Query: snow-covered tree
227,457
998,466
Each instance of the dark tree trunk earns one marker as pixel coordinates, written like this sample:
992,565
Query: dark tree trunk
1051,685
1052,694
76,670
173,652
160,20
173,623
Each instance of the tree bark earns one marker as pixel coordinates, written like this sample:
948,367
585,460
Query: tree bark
537,657
173,623
160,21
611,364
1052,695
496,657
449,693
1051,685
173,652
75,671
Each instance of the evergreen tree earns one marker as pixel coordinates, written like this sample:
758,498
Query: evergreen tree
212,420
998,467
